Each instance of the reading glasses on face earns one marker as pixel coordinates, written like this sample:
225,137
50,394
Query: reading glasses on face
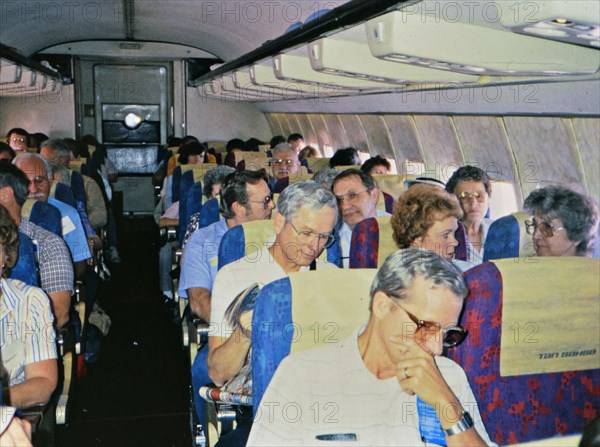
467,196
283,162
265,201
307,236
546,228
451,336
350,196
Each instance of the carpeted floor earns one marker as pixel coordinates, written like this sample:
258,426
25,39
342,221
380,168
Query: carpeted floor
137,394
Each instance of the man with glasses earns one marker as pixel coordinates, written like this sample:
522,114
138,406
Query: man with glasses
357,195
304,221
388,383
564,222
18,139
285,161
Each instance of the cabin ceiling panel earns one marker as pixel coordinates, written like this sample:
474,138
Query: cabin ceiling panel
404,138
377,135
587,133
354,131
306,129
545,151
336,131
484,144
440,145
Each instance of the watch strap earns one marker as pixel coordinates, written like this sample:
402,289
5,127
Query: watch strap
465,423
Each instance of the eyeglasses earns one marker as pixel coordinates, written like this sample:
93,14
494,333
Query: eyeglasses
350,196
17,140
306,236
546,228
39,179
283,162
451,336
265,201
466,197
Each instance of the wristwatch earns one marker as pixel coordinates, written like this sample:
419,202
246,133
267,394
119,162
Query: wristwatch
465,423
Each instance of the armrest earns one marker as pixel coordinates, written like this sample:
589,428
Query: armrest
167,234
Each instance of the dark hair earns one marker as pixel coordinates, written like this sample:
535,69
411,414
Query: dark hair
77,148
213,176
89,140
377,160
36,139
18,131
189,139
187,150
308,152
469,174
367,179
236,143
345,157
9,238
233,189
577,212
276,140
5,148
14,178
252,144
294,137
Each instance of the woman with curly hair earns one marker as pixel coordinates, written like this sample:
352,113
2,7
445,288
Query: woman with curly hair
426,216
27,338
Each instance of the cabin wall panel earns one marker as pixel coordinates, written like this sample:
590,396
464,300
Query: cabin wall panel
306,129
336,130
378,138
284,120
485,145
324,140
545,151
295,125
354,131
273,122
440,145
210,119
587,133
50,113
404,138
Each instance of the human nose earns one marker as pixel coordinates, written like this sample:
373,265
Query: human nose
452,240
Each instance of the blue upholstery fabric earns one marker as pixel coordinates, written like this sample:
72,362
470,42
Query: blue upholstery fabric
65,195
176,184
77,187
26,268
364,246
272,333
232,246
190,206
389,202
209,213
503,239
46,216
517,409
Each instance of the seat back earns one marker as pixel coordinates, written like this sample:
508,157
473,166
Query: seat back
209,213
190,202
385,202
64,193
507,238
316,164
253,161
42,214
304,310
527,362
460,251
371,243
26,269
393,184
250,237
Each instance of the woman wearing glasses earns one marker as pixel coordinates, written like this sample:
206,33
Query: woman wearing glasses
473,188
564,222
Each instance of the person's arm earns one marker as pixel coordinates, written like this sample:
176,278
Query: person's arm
226,356
418,374
40,381
61,303
166,222
200,301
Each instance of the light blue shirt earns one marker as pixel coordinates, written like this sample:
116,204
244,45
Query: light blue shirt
200,258
72,230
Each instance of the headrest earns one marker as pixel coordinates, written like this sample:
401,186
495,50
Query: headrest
316,164
328,305
393,184
549,315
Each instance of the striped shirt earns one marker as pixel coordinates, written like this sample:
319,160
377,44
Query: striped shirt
26,328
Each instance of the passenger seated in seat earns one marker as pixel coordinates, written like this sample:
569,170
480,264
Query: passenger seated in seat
245,197
27,338
285,161
357,195
306,215
426,216
564,222
473,188
345,157
18,139
376,166
6,152
370,389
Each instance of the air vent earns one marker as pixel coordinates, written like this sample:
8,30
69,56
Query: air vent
130,46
